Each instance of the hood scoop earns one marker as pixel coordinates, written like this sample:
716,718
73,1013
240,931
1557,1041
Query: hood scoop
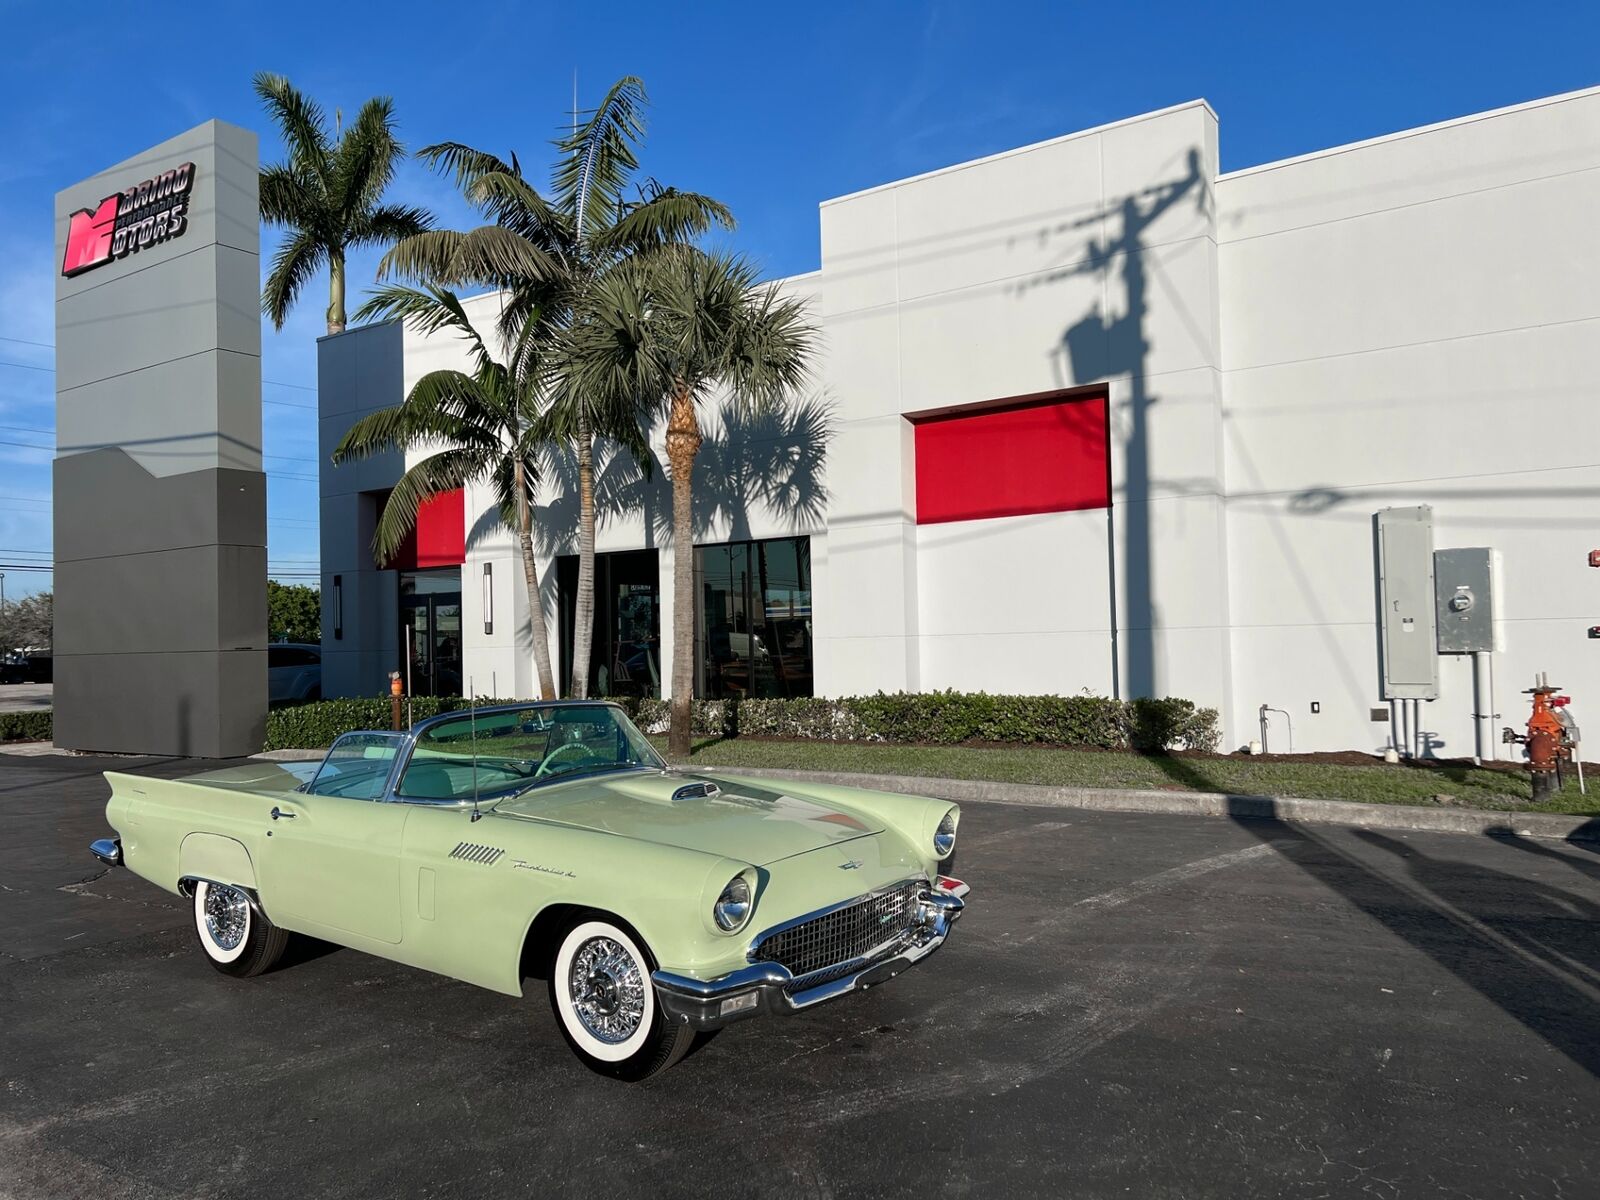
703,790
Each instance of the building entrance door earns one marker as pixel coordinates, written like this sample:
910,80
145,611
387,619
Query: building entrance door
430,631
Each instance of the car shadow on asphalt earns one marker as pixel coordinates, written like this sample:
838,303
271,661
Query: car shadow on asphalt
1526,946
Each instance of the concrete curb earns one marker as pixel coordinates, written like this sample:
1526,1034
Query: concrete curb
290,755
1208,804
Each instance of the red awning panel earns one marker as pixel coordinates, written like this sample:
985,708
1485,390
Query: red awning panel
440,536
1039,457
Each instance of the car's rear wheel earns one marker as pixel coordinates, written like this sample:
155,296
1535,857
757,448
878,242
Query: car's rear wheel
237,938
606,1005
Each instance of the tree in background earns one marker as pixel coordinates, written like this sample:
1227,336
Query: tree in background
488,421
675,329
27,624
546,254
329,194
294,612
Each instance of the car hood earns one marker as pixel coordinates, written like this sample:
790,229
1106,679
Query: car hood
754,824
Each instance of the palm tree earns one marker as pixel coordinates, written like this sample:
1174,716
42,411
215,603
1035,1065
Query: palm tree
673,330
561,245
486,420
328,194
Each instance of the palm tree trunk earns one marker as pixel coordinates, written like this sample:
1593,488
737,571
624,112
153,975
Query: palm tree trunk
530,571
336,317
683,443
583,617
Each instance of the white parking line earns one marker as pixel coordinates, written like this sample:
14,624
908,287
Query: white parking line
1166,879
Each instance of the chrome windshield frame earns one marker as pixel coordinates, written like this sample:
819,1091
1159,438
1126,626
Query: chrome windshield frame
410,738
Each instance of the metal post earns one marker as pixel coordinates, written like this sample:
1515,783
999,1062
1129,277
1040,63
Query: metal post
1482,712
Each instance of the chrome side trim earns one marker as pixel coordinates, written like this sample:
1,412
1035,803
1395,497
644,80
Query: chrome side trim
107,850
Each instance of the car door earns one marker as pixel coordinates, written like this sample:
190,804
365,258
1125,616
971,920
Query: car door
332,863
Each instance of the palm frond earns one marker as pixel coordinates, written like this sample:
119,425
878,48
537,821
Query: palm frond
364,163
443,472
290,197
300,120
465,163
515,204
666,215
390,223
427,310
294,264
598,158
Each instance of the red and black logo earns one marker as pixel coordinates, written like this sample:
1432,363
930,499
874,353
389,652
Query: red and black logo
155,211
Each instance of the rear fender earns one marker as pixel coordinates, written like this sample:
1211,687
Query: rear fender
217,859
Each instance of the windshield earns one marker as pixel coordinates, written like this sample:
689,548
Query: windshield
491,754
357,766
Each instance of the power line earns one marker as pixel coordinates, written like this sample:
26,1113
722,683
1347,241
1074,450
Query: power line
300,458
303,387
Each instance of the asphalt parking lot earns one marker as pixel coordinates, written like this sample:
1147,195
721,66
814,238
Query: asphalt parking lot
1133,1005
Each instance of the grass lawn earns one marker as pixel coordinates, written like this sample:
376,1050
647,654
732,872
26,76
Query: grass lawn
1472,787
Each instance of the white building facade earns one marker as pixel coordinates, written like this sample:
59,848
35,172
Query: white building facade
1090,416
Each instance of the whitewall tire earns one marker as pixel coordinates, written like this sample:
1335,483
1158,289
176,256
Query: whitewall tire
606,1006
236,937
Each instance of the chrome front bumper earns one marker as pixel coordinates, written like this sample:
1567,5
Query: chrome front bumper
764,987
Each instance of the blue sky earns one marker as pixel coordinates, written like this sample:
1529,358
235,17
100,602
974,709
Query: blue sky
770,108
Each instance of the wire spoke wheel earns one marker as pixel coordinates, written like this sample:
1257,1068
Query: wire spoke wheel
607,990
605,1001
227,916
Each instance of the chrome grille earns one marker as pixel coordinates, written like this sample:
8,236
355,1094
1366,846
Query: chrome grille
847,933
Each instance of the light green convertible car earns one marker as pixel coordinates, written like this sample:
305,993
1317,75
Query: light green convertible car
550,841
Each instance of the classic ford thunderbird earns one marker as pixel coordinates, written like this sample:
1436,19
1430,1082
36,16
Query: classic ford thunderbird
550,841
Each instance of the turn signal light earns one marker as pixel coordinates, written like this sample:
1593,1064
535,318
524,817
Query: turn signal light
738,1004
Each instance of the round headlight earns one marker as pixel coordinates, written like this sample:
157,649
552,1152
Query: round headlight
944,840
732,908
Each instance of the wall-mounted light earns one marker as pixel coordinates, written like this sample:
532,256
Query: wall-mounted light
338,607
488,598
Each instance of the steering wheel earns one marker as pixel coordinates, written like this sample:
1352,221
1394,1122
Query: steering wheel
555,756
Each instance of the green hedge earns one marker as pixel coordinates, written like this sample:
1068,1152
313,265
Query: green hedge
942,718
315,725
949,718
27,725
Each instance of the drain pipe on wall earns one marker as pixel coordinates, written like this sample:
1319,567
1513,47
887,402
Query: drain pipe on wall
1483,715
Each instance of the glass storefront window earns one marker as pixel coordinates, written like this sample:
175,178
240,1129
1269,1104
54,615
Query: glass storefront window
754,619
430,630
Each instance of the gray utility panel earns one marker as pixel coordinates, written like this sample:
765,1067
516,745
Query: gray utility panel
1406,603
1464,601
160,501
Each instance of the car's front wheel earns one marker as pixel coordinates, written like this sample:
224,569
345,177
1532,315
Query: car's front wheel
606,1005
237,938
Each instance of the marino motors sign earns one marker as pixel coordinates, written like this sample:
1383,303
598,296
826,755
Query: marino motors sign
126,222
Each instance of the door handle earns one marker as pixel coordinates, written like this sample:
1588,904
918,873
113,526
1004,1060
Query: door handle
281,812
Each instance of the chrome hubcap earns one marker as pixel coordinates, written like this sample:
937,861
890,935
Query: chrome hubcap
227,914
607,990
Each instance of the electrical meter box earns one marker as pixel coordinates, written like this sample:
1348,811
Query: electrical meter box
1406,601
1464,599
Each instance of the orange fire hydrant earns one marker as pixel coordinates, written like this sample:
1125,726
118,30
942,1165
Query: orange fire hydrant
1546,739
